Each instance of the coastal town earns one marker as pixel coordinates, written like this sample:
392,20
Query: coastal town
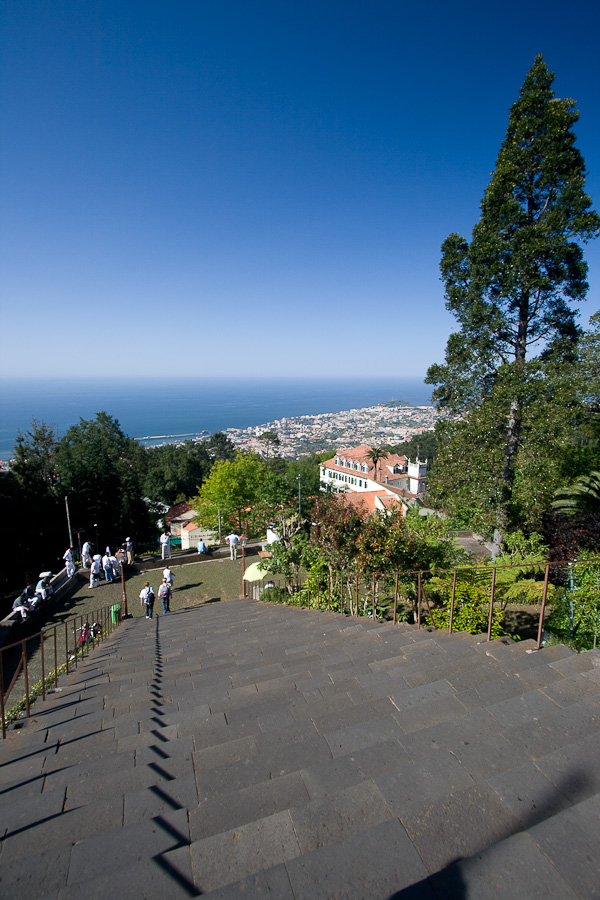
386,423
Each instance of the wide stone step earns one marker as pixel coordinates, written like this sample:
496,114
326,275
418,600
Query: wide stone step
247,747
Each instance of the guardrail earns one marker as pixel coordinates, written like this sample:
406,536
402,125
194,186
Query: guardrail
25,663
378,595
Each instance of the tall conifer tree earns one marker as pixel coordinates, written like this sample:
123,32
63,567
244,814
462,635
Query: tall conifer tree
512,287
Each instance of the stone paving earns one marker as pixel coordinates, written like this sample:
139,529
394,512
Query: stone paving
246,750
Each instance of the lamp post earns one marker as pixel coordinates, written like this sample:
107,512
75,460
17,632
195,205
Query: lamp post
123,586
68,521
299,495
79,532
243,542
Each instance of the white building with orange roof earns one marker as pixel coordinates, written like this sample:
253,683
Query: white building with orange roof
396,480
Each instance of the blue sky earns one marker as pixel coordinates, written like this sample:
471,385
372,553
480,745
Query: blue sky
257,188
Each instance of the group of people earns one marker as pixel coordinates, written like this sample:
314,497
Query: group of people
108,563
31,597
165,592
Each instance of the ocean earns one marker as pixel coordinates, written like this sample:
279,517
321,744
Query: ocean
158,410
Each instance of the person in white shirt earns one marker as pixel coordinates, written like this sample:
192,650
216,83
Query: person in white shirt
232,539
168,576
107,566
116,569
129,551
95,570
165,545
147,599
70,565
86,555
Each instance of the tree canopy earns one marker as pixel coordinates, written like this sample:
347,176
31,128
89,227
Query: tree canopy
512,287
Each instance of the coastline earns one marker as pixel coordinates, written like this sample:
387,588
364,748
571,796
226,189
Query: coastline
154,410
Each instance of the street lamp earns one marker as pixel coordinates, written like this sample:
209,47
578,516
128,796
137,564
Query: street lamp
299,494
243,540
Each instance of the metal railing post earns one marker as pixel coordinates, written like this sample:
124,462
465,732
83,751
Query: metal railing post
396,599
2,694
489,635
452,603
373,607
55,659
541,625
419,600
43,667
26,674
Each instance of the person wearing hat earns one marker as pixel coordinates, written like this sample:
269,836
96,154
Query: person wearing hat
95,568
129,551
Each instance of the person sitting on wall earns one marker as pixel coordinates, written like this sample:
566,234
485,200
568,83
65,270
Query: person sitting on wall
43,588
23,605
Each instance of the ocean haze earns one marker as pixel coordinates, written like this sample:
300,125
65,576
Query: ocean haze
150,409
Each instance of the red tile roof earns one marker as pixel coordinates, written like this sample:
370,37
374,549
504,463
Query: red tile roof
365,502
359,455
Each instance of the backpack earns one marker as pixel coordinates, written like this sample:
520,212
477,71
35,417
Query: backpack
163,592
150,597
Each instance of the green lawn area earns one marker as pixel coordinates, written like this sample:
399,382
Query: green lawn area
195,583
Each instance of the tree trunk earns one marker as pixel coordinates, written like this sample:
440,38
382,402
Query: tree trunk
515,416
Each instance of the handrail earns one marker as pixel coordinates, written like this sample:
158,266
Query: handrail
343,578
26,650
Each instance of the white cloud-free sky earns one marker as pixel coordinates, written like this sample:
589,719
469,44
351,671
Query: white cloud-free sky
224,187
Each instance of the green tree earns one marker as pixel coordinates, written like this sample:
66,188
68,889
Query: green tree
232,488
556,444
98,468
219,447
171,473
512,286
32,506
34,465
576,614
421,446
376,454
270,440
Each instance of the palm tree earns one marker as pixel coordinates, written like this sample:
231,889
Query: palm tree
376,454
582,496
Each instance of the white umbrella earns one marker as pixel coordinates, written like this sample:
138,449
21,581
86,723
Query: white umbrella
255,572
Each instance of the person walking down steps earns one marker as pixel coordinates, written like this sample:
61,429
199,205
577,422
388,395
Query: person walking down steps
147,599
164,595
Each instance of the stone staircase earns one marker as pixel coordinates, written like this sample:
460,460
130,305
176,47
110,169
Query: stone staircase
246,750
